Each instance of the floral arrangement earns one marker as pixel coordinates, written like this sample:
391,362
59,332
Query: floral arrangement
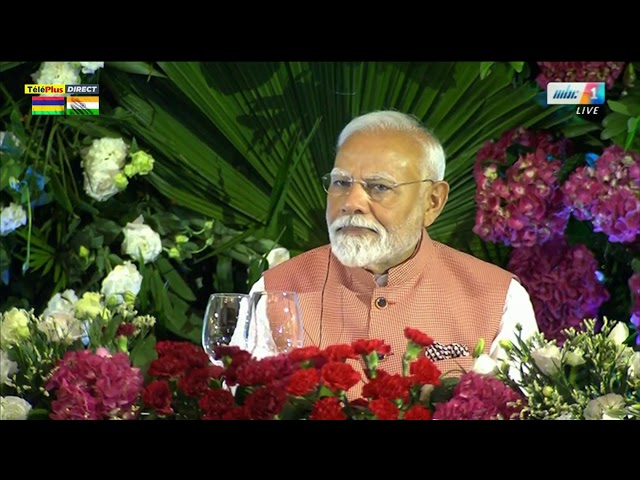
315,384
606,72
562,281
79,359
594,375
606,194
518,197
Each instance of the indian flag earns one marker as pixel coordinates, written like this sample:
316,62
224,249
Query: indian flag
83,105
41,105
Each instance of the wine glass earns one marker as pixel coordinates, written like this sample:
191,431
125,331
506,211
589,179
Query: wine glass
276,323
226,322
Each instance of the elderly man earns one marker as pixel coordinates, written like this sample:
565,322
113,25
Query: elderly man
382,272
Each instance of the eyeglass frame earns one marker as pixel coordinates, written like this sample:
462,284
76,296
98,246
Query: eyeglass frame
366,186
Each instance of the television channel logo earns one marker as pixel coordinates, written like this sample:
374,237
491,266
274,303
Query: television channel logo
575,93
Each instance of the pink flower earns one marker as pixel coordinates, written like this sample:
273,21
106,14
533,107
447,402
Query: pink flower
562,283
607,194
606,72
480,397
94,386
520,204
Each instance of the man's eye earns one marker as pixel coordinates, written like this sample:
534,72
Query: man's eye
341,183
379,187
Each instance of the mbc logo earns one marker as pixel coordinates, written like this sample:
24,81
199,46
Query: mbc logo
575,93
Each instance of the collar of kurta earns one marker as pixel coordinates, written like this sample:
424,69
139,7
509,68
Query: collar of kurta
365,281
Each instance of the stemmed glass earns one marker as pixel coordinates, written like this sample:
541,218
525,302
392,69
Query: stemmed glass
226,322
276,323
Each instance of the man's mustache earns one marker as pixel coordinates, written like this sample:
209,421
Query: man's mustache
354,221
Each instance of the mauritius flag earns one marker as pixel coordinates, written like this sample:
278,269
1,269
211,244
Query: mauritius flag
41,105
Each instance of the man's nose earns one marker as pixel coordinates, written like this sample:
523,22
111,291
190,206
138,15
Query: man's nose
356,201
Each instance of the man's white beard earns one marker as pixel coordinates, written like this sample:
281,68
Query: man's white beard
371,249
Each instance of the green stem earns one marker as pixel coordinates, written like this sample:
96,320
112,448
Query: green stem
25,265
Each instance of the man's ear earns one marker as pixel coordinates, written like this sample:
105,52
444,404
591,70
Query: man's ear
436,197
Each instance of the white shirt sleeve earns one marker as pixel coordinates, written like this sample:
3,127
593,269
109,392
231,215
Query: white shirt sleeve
517,309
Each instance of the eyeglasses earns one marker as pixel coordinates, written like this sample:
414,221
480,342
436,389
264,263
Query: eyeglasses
378,190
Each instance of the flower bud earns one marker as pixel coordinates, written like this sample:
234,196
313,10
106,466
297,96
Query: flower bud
208,224
121,343
112,301
83,252
129,297
142,162
507,345
619,333
120,181
547,391
174,252
477,351
182,239
129,170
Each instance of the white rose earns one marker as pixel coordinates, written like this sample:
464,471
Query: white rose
14,326
121,279
12,217
140,241
62,328
7,368
101,163
277,256
61,303
57,73
619,333
484,365
91,67
634,368
547,359
608,407
14,408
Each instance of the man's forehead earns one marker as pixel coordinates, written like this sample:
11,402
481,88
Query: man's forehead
373,174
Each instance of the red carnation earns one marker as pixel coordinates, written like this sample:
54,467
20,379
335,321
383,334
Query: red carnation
384,409
157,395
417,412
417,337
303,381
327,408
339,376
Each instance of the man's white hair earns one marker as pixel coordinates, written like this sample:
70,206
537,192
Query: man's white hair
433,161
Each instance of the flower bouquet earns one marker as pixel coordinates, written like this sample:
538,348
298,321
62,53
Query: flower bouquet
79,359
313,384
594,375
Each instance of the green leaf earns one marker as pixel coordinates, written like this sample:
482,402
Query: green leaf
485,69
223,278
615,124
619,107
143,353
632,128
578,129
517,66
138,68
60,194
176,282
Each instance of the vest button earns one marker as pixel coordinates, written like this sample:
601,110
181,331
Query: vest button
381,302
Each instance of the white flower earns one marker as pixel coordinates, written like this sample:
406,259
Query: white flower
121,279
484,365
619,333
7,368
565,416
634,367
61,303
277,256
576,357
101,163
14,408
62,328
91,67
12,217
57,73
547,359
608,407
14,326
140,241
